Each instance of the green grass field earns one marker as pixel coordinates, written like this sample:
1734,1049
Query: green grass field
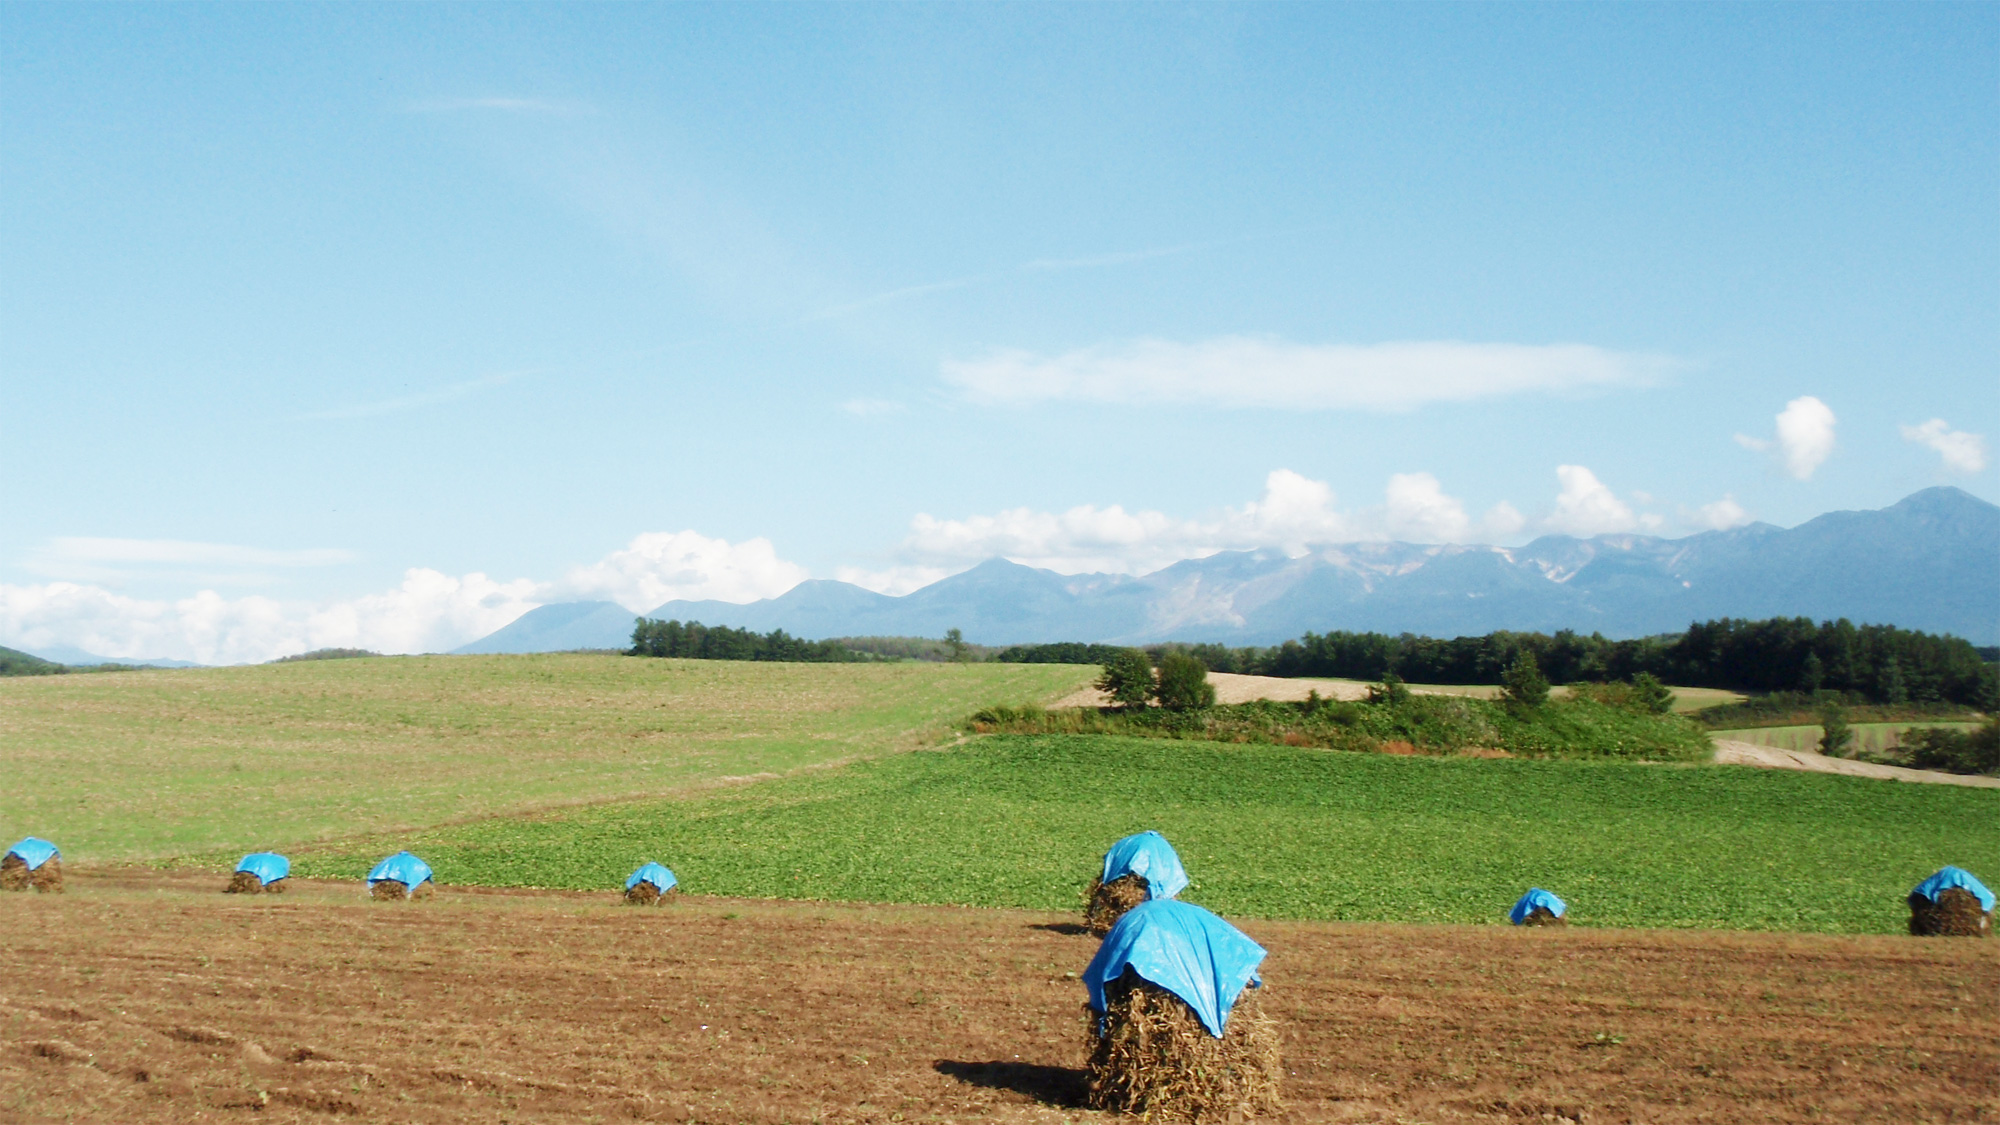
1269,831
144,765
1871,738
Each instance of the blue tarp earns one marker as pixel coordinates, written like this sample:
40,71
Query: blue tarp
34,851
1149,856
1182,948
652,873
1536,896
268,867
402,867
1949,877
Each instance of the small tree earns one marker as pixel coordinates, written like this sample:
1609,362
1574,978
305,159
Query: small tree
1523,683
1835,736
1127,678
1391,690
1651,695
955,641
1184,683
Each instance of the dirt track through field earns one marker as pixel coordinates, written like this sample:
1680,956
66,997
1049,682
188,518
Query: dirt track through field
144,997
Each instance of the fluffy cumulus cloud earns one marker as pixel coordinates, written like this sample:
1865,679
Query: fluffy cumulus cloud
663,566
1805,437
428,612
1720,515
1962,452
1293,514
1246,371
1586,506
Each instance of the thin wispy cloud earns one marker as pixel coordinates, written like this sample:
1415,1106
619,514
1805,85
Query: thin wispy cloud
416,401
1256,372
120,562
894,295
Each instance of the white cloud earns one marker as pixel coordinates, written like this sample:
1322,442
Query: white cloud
428,612
1720,515
894,581
1805,437
1962,452
664,566
1241,371
1585,507
118,562
1418,510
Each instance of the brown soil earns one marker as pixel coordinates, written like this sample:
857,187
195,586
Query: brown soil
13,873
1543,916
544,1007
1150,1056
1105,903
1956,913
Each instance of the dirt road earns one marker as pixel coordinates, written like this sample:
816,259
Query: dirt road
1729,752
143,997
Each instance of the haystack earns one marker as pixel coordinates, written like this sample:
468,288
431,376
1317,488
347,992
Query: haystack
1539,908
1150,1056
1136,869
1951,903
650,884
32,864
259,873
1176,1030
400,877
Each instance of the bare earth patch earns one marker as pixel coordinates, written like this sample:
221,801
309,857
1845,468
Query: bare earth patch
142,997
1730,752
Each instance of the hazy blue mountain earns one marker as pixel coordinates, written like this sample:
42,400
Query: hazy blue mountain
70,654
1930,562
561,628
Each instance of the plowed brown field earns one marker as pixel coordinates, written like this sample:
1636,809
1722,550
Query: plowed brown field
142,997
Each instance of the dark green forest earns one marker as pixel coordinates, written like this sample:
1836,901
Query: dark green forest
1872,663
695,641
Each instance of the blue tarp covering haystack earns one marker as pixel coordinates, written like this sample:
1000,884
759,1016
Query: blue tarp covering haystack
1949,877
1184,949
661,878
34,852
268,867
1536,896
1149,856
403,868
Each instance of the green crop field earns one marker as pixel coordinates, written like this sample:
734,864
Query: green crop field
1268,831
144,765
1872,738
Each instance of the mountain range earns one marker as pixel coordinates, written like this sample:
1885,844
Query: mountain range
1930,562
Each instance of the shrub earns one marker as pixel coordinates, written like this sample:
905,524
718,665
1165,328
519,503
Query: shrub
1524,684
1127,678
1391,690
1956,751
1184,683
1835,736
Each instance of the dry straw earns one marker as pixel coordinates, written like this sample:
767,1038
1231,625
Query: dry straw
247,883
1956,913
395,890
643,893
1543,916
1151,1056
1105,903
15,875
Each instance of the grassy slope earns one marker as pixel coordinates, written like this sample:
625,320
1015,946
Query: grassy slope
145,765
1272,831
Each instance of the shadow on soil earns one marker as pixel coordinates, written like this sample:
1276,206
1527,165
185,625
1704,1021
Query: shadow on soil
1050,1085
1073,929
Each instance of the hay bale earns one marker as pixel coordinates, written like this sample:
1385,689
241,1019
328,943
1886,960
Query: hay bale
47,877
1105,903
13,873
1543,916
276,886
1150,1056
1956,913
394,890
643,893
244,883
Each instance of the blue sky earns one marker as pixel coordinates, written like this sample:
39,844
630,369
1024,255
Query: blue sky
378,325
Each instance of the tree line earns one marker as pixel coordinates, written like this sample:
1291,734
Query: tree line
1873,663
695,641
